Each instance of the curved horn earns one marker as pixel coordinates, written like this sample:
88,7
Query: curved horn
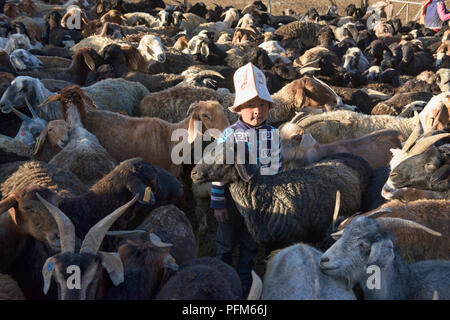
417,132
205,73
157,241
22,116
305,70
378,213
337,206
425,143
256,288
33,112
65,226
94,237
52,98
392,223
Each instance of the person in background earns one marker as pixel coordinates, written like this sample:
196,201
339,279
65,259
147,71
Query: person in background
434,14
252,103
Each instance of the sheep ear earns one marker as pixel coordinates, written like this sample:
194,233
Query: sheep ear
47,272
297,138
7,203
169,262
112,263
381,253
204,51
193,130
41,141
300,97
88,101
440,179
89,61
307,141
18,64
99,8
146,196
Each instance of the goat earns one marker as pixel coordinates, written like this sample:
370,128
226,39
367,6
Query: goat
147,264
84,61
89,259
128,129
366,243
354,59
82,155
443,79
301,149
51,140
293,273
443,55
23,60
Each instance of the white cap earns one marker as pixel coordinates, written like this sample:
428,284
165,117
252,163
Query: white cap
249,82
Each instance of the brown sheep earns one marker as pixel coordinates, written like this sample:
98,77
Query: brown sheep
418,245
126,137
56,133
113,16
301,149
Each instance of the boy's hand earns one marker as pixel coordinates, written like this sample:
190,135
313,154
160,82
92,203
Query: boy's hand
221,215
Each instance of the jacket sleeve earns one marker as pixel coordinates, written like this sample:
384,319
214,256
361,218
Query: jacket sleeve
442,12
218,200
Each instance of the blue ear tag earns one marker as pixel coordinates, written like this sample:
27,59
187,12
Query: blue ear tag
49,266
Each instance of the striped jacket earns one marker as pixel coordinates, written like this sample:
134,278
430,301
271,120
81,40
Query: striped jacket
263,142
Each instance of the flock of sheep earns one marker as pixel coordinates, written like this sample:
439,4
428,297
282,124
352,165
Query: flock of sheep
87,179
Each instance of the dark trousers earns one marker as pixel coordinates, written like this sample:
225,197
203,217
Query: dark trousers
234,233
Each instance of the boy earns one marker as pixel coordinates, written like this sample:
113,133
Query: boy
434,14
252,102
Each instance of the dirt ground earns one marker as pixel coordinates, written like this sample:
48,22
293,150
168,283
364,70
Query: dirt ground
301,6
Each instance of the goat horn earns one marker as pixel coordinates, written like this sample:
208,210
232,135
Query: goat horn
206,73
392,223
337,206
427,142
435,120
33,113
310,63
157,241
52,98
22,116
338,98
256,288
417,132
297,116
65,226
305,70
378,213
94,237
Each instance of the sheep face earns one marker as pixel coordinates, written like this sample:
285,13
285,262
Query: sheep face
152,49
443,79
428,170
351,59
164,18
20,88
55,134
360,246
23,60
297,145
17,41
31,216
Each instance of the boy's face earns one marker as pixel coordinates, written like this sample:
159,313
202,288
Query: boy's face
254,112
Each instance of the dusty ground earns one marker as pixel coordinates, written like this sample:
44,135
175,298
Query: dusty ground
301,6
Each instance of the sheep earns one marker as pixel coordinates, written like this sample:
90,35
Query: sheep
204,278
30,128
12,150
414,62
86,207
443,79
367,243
354,59
276,223
443,55
113,16
89,259
209,112
10,290
293,274
301,149
51,140
147,264
6,64
23,60
343,124
171,104
18,41
422,169
111,94
82,154
395,105
135,18
435,115
305,31
84,61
